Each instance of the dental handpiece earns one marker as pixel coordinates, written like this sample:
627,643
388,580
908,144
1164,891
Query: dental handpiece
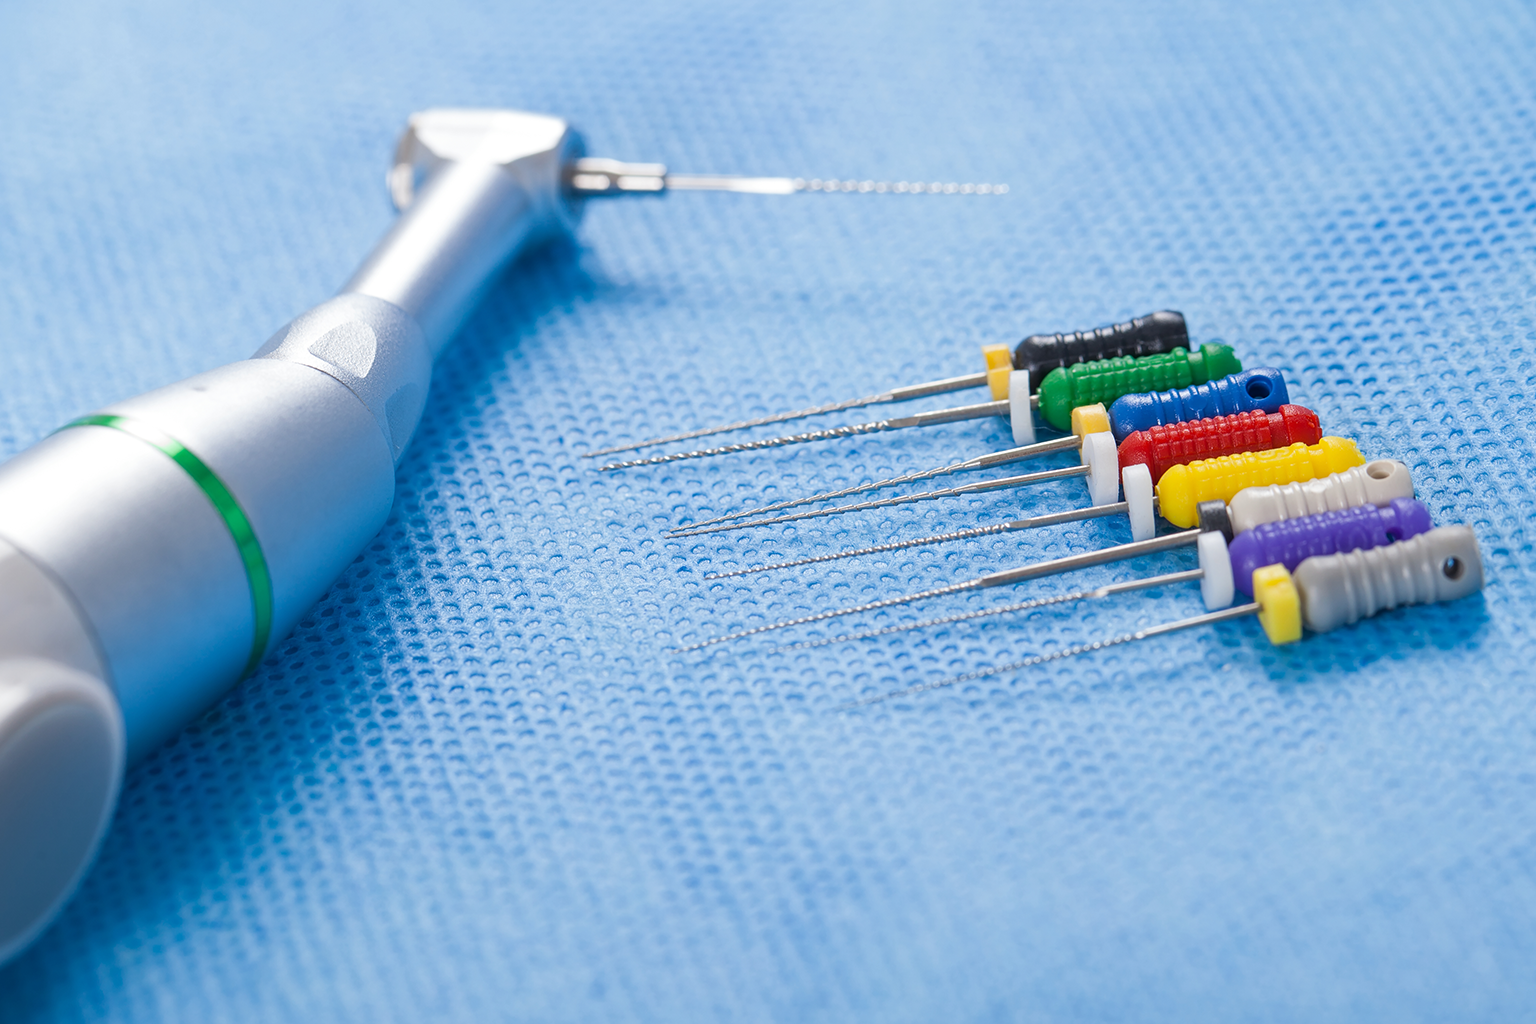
152,553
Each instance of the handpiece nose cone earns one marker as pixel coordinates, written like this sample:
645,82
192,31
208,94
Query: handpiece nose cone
61,765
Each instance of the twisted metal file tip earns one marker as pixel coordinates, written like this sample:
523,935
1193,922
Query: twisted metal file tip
852,430
1090,594
873,549
982,487
1236,612
954,588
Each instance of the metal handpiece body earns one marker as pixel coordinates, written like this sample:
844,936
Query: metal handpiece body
151,553
156,550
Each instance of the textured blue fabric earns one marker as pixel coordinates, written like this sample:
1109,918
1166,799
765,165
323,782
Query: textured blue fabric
477,783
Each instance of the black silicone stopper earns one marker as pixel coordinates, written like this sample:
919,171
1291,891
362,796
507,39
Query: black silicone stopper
1213,516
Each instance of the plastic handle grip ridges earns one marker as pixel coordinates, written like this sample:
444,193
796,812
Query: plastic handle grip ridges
1162,331
1184,487
1166,445
1376,483
1104,380
1263,389
1292,541
1441,565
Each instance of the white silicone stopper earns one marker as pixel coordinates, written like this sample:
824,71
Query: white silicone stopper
1137,480
1103,461
1020,414
1216,586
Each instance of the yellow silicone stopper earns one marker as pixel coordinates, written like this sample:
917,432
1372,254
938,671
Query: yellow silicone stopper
1184,487
1279,604
1090,419
997,355
997,380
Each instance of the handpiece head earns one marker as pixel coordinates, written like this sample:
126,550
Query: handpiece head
536,149
474,187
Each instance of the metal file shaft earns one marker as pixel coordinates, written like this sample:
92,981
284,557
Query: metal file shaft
1030,451
1050,567
1236,612
1109,589
1073,515
935,387
922,419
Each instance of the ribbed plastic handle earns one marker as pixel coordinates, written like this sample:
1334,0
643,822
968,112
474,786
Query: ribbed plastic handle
1162,331
1262,389
1104,380
1184,487
1441,565
1378,483
1292,541
1164,446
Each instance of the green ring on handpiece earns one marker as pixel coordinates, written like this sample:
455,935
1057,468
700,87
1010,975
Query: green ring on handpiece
235,519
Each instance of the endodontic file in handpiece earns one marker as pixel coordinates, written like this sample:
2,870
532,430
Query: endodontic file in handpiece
152,552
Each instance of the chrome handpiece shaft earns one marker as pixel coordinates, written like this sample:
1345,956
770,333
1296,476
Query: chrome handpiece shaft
156,551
